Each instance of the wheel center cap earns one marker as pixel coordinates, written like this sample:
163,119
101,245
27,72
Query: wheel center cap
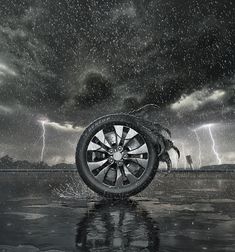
117,156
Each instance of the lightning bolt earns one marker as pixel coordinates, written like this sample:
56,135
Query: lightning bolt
183,153
213,145
43,139
66,127
199,148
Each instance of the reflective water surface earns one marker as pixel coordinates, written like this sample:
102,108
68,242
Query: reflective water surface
121,226
194,215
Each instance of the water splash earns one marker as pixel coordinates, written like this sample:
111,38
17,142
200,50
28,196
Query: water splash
74,188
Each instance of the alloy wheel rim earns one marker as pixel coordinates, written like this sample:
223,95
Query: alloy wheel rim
117,156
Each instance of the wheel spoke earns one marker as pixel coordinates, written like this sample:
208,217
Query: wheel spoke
135,168
99,139
110,135
131,133
100,135
132,144
102,173
140,150
140,161
119,179
96,155
110,177
137,156
130,176
124,134
93,146
119,131
95,165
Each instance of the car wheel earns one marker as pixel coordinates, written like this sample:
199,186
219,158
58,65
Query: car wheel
115,156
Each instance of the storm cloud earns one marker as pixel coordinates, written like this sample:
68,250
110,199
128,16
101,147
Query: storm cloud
72,61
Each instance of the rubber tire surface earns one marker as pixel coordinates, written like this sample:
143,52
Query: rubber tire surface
88,177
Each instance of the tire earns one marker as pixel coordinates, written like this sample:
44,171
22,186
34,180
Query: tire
115,156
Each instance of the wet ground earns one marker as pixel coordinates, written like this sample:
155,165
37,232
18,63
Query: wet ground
56,212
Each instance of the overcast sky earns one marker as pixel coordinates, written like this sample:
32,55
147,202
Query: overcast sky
72,61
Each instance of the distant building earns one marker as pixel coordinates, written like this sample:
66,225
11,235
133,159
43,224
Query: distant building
189,161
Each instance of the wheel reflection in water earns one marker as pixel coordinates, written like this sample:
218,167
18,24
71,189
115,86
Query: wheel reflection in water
117,226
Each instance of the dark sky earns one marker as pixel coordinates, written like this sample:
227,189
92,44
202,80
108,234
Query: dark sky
72,61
